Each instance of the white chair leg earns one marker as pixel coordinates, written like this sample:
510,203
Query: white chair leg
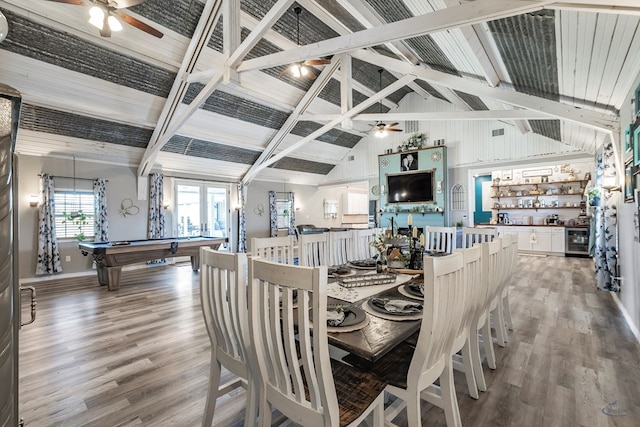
212,393
449,399
378,412
497,316
251,411
507,311
487,341
476,360
468,370
414,416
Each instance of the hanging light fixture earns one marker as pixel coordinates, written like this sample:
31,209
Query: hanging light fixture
4,26
99,17
381,130
299,69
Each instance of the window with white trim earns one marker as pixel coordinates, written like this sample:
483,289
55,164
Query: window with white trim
74,214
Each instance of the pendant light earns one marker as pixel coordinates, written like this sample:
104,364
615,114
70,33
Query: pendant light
298,69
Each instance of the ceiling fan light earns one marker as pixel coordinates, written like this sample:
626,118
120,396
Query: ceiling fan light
96,17
303,70
4,27
380,133
114,24
296,71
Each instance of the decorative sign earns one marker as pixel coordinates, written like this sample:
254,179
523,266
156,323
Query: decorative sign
537,172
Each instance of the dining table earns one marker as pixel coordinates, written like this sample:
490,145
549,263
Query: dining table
380,333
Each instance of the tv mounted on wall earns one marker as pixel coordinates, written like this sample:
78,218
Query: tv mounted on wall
411,187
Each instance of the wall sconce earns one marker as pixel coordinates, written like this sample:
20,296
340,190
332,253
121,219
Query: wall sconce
166,204
609,183
33,200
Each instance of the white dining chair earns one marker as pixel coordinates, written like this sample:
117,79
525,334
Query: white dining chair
440,239
472,300
481,323
223,297
290,335
361,240
341,247
313,249
278,249
472,235
412,371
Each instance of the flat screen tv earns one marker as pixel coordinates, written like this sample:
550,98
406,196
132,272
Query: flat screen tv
411,187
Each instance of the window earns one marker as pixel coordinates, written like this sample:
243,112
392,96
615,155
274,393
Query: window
74,214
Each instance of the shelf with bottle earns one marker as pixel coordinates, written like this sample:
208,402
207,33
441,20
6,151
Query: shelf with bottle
541,188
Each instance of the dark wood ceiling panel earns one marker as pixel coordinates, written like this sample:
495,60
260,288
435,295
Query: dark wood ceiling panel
210,150
334,136
299,165
181,16
474,102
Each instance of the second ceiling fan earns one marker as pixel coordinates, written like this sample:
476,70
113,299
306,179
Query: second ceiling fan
381,129
106,15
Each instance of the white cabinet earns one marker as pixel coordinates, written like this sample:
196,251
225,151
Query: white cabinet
355,204
557,240
542,241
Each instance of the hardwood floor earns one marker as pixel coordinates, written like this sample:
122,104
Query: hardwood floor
139,356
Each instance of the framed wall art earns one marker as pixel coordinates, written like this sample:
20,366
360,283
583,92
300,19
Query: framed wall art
628,184
636,144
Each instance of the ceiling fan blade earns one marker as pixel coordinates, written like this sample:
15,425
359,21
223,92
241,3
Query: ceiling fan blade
134,22
123,4
393,124
284,71
393,130
74,2
317,61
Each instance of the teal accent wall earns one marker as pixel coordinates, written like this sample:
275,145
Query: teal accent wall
480,216
427,160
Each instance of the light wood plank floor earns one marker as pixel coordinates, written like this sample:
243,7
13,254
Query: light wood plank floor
140,355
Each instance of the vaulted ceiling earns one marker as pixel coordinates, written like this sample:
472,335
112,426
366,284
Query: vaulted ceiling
213,97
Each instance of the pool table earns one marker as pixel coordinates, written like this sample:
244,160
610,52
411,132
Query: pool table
111,256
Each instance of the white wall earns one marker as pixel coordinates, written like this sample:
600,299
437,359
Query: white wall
628,245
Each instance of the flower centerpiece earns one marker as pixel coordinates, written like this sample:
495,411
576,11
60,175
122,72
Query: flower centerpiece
415,141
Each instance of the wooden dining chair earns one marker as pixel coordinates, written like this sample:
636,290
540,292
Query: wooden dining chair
473,296
361,242
223,297
276,249
481,323
412,371
498,304
472,235
290,335
341,247
440,239
313,249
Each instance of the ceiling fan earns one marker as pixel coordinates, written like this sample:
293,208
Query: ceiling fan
301,69
382,129
104,15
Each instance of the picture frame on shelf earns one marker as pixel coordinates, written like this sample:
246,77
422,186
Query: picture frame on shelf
628,184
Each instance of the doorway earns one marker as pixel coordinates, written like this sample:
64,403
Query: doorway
482,207
202,209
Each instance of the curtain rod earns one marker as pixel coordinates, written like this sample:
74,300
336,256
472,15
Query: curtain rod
73,177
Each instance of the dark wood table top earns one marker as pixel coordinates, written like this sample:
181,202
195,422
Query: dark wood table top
377,338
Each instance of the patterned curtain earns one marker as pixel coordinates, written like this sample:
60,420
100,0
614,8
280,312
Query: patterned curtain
273,214
48,253
101,224
606,224
242,223
155,229
292,215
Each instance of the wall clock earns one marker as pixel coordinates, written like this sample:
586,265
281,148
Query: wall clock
436,156
375,190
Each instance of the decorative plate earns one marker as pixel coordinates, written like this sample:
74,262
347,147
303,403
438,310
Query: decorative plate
436,156
375,190
384,163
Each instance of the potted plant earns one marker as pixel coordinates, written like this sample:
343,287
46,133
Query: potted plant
78,218
593,194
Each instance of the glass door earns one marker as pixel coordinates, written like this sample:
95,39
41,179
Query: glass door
202,209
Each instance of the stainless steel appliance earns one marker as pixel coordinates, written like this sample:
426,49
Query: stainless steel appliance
576,241
503,218
553,219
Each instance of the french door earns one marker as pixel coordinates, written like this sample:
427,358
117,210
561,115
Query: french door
202,209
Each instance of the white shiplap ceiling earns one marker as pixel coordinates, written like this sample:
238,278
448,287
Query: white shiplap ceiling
458,48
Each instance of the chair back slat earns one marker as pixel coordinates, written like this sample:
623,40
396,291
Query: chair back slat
313,249
340,247
293,362
440,239
472,235
473,292
276,249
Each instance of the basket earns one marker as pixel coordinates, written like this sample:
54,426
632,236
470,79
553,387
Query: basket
366,280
